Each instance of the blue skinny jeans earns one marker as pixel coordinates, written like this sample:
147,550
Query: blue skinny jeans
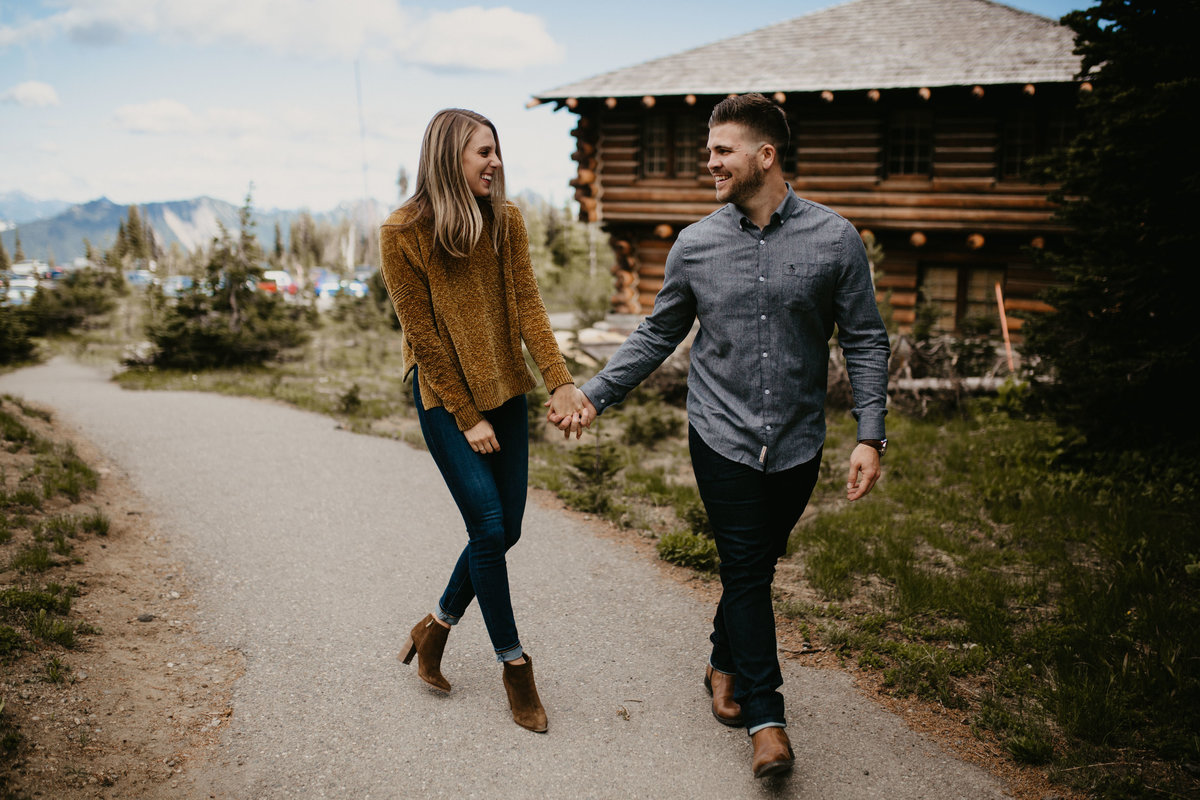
752,514
490,491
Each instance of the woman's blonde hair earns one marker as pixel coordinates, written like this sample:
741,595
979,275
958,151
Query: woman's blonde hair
442,194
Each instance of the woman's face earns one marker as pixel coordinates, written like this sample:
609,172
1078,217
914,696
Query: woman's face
480,162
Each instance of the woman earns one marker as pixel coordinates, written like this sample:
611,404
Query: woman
456,264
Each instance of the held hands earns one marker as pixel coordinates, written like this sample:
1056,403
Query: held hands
570,410
864,471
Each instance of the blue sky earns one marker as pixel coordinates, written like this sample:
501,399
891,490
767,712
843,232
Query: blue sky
151,100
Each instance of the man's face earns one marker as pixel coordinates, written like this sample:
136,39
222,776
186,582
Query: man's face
733,161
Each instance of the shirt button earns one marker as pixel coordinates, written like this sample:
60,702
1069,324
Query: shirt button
762,316
764,355
768,391
768,427
761,279
762,241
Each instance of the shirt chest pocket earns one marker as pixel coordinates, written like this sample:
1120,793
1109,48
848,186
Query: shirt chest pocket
806,284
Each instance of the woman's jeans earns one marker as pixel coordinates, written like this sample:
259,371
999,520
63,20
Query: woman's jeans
490,491
752,514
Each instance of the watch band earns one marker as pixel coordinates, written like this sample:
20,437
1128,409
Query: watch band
880,445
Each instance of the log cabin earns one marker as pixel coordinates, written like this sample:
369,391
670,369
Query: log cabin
914,119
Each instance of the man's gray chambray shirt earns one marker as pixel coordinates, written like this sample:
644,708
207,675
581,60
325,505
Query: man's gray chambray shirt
767,301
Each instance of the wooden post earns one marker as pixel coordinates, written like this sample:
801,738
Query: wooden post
1004,327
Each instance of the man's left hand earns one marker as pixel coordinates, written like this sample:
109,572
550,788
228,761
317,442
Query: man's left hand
864,471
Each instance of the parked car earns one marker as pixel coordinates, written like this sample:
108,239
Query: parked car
175,285
21,289
278,280
139,277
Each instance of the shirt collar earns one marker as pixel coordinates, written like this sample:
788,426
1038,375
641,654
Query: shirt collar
783,211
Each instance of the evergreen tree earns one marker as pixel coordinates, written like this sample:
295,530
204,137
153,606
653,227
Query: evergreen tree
120,247
135,235
5,263
226,322
1123,341
278,245
18,252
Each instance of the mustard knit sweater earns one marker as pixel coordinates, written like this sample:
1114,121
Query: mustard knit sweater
463,319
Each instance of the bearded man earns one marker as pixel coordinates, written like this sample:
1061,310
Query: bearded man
769,276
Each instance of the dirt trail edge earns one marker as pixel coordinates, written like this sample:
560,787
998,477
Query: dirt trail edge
311,551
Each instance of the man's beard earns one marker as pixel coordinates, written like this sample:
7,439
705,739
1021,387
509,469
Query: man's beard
745,188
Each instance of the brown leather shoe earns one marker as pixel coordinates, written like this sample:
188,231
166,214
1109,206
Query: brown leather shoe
720,686
772,752
527,710
427,641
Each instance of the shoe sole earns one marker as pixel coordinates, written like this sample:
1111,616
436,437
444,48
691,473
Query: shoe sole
774,768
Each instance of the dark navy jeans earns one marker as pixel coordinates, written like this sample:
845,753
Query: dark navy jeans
490,490
752,513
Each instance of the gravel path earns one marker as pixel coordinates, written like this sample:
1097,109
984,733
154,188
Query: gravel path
313,550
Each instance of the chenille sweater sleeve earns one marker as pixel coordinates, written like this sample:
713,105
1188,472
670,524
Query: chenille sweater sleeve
408,285
531,312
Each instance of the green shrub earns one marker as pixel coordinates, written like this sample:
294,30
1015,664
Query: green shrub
15,344
689,550
10,641
69,303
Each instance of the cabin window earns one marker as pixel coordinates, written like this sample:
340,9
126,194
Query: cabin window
654,147
960,292
670,147
1018,144
686,156
1028,134
910,144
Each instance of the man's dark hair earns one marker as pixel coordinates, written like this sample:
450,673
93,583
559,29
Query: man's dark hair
760,115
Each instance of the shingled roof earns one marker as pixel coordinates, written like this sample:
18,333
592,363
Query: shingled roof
864,44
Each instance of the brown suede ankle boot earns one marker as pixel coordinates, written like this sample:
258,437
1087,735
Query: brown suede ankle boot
772,752
724,708
527,710
427,641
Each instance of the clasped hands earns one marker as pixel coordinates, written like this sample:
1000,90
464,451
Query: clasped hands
570,410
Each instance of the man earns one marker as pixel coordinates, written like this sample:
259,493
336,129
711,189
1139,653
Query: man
768,275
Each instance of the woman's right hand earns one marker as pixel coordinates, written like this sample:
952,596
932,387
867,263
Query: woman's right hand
482,437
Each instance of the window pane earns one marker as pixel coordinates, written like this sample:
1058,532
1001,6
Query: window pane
939,286
910,143
1017,144
654,147
687,148
981,292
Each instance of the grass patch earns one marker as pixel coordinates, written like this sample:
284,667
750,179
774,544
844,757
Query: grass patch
34,557
982,560
689,550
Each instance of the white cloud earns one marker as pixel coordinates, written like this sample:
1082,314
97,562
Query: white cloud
472,37
158,117
31,94
484,38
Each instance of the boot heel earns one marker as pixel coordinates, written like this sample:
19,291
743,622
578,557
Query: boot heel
408,650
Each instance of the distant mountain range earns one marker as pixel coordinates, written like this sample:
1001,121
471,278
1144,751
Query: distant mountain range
60,232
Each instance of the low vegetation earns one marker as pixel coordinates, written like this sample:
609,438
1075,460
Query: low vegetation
43,490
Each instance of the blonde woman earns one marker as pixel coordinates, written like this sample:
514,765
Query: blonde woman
456,263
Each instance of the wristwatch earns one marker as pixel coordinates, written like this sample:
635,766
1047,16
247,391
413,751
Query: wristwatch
879,444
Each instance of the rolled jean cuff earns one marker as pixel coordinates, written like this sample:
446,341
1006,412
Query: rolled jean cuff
445,617
757,728
511,654
718,669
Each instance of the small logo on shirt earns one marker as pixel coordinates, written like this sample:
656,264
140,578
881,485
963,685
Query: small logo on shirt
789,269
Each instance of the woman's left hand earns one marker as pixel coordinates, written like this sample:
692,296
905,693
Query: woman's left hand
567,404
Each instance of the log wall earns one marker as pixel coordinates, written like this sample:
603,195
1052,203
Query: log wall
962,212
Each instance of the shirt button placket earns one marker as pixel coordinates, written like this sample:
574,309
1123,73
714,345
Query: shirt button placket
764,335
